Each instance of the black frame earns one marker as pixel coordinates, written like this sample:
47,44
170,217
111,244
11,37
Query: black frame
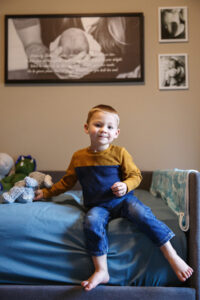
126,64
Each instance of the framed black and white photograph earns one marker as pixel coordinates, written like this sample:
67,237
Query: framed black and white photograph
74,48
173,71
173,24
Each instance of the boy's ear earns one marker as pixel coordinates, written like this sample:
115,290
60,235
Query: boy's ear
86,128
117,133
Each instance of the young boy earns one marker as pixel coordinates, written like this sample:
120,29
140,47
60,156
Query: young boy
108,177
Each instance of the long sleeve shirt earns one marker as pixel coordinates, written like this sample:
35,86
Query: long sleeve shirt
97,172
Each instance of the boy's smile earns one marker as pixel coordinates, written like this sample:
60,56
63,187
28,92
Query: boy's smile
102,129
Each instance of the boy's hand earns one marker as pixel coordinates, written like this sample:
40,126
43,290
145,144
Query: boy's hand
119,189
38,195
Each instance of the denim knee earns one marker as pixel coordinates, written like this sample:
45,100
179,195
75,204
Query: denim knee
95,224
142,216
134,209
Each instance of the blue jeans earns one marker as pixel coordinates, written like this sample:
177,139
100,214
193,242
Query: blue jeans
97,218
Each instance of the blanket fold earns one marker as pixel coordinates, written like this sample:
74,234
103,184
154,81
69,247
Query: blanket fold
173,187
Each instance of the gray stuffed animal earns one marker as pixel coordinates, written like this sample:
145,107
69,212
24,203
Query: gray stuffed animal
24,190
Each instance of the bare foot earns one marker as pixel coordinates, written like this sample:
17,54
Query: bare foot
181,268
97,278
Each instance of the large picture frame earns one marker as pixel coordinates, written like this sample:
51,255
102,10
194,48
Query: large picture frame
173,71
71,48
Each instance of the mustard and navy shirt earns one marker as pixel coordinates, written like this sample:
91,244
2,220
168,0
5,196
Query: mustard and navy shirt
97,172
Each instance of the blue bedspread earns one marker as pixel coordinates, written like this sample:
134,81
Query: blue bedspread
43,243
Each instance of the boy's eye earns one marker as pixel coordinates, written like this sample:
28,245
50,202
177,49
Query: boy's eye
98,125
110,127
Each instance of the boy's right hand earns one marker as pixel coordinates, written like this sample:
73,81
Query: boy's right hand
38,195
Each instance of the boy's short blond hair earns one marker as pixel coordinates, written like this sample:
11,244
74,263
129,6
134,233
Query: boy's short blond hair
102,108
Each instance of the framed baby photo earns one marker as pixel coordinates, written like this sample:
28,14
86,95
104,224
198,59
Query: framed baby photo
173,71
69,48
173,24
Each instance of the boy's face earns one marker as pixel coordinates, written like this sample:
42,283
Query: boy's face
102,129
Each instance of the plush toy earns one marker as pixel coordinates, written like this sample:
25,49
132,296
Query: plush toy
23,167
24,190
6,164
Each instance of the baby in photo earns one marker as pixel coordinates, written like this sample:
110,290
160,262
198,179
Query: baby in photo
74,54
73,41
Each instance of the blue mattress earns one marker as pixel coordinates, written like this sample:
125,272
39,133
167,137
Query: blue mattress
43,243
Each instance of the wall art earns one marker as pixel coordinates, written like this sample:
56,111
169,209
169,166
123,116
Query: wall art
173,24
173,71
74,48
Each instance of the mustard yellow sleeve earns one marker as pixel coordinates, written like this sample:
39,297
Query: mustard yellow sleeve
131,174
65,184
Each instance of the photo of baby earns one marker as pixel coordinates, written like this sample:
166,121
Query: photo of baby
73,41
173,71
70,48
173,25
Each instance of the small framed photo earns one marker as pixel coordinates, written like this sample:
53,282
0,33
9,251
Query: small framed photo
173,24
173,71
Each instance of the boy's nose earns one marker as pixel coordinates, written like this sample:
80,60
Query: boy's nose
103,129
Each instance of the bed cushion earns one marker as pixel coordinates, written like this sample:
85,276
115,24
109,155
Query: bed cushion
43,243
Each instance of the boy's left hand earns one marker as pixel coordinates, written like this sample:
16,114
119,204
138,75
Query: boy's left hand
119,189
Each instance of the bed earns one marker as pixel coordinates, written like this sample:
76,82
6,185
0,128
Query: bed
43,256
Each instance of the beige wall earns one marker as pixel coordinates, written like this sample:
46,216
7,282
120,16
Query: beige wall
159,128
